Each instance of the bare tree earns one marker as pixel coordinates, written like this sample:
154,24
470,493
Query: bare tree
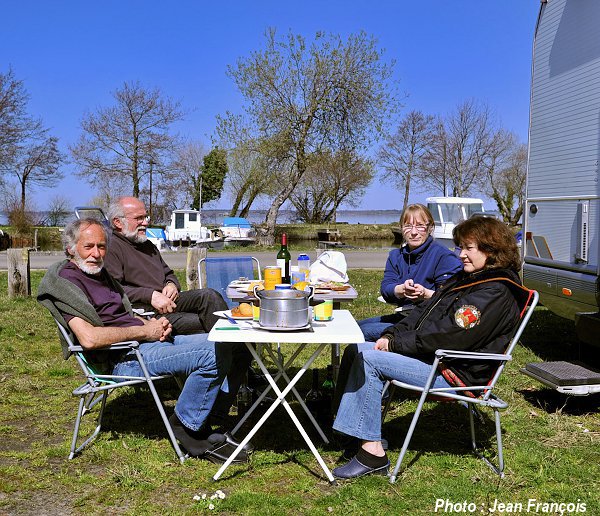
505,177
435,171
186,168
27,152
59,208
402,155
125,142
331,94
331,179
15,123
461,144
37,163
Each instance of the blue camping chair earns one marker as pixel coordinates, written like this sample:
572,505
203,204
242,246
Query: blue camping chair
217,273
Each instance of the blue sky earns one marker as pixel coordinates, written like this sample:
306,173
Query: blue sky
73,54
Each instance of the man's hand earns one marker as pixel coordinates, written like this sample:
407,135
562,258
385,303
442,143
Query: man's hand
170,290
382,344
158,329
162,303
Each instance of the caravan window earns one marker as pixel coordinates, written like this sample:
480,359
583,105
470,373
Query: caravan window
179,221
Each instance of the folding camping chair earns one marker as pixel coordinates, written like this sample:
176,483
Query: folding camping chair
470,396
98,386
217,273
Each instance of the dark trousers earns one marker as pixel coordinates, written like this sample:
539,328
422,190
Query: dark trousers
194,312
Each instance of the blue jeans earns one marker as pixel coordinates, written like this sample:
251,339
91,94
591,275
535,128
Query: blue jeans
373,327
359,414
202,363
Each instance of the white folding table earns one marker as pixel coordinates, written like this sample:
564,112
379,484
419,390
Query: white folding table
336,296
342,329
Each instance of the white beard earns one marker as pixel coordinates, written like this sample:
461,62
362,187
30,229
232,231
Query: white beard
89,268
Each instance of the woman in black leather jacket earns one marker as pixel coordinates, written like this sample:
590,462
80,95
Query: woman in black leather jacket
478,309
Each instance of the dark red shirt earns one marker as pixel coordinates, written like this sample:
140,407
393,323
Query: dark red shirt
106,300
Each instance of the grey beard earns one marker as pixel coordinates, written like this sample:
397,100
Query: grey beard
134,236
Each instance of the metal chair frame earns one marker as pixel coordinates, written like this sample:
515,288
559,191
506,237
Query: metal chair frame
485,396
97,387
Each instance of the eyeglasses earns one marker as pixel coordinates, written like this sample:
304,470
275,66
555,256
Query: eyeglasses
140,218
421,228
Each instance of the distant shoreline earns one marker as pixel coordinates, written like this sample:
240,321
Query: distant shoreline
214,217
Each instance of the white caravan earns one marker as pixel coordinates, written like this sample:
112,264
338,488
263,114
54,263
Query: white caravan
562,212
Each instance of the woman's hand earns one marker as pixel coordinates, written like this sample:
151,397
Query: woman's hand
415,291
382,344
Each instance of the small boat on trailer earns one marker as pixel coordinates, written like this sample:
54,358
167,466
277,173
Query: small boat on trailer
237,231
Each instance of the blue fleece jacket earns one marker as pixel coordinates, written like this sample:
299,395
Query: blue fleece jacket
429,265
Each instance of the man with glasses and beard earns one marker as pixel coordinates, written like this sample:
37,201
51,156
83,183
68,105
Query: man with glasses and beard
151,284
148,281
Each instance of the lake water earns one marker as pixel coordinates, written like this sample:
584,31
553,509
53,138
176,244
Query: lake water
214,217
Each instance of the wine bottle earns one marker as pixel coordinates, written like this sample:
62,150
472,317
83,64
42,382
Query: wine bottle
283,260
314,397
328,390
244,397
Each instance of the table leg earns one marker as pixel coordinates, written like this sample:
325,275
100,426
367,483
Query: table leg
280,399
267,389
300,400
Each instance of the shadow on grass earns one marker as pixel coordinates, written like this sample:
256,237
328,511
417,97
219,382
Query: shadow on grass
553,338
552,402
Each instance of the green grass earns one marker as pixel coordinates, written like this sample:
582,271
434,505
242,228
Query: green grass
551,444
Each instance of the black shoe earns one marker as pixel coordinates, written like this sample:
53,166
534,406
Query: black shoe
248,448
255,379
224,435
195,442
355,469
221,450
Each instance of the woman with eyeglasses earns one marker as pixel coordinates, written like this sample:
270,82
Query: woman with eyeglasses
477,309
412,273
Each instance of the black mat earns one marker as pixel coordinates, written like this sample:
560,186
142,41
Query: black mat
564,373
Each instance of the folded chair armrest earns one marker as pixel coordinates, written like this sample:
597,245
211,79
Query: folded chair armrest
471,355
127,344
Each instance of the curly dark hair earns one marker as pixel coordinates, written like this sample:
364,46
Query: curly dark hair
494,238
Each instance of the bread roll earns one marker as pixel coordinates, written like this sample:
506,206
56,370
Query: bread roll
243,310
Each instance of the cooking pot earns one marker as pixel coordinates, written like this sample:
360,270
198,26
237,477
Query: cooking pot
284,308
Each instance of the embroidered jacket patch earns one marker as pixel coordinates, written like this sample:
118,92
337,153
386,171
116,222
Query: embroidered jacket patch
467,316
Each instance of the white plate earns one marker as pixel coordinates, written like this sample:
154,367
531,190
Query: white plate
227,313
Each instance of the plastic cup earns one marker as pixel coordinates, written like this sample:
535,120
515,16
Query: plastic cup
323,311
